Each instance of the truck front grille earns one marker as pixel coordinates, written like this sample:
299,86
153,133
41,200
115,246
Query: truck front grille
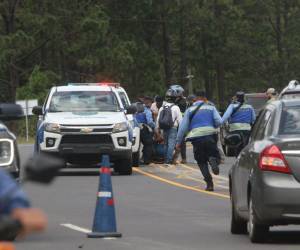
86,139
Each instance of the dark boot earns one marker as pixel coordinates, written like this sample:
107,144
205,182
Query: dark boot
214,163
210,186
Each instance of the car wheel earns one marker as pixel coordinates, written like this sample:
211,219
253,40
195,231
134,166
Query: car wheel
257,232
136,159
238,225
124,166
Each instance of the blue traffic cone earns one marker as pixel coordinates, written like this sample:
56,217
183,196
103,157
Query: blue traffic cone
104,225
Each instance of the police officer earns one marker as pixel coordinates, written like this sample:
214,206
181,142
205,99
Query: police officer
14,203
200,123
145,120
240,117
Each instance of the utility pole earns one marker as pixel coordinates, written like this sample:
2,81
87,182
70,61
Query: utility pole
190,79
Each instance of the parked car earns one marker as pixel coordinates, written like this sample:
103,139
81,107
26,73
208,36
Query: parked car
264,181
257,101
9,153
82,121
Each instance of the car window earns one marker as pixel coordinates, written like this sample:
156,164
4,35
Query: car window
290,121
257,102
84,101
262,126
124,99
270,124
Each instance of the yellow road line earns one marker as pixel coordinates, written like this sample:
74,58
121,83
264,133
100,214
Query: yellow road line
179,184
215,176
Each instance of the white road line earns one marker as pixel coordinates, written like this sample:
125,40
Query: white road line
76,228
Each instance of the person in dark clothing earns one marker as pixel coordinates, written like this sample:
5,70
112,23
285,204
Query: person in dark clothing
201,122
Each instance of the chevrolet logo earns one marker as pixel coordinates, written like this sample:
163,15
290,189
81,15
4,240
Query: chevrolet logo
86,130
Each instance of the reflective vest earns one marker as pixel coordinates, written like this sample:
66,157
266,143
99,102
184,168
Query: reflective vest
203,123
141,118
242,119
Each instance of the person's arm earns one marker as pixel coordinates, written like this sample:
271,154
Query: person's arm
217,118
178,115
11,196
149,118
183,128
228,113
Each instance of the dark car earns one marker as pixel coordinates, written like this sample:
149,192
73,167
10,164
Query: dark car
9,154
265,179
257,101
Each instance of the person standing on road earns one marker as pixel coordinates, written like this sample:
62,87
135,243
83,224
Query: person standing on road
241,117
168,120
271,95
200,123
181,102
158,103
145,120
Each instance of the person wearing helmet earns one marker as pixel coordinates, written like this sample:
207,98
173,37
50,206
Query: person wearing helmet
271,94
168,120
241,117
181,102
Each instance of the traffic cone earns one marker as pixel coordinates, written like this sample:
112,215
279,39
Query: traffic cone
104,225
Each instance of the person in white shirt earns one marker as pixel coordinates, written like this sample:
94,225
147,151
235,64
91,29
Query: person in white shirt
168,120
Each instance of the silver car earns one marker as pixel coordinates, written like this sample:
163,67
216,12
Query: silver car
265,179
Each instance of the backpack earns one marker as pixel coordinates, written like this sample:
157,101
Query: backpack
165,120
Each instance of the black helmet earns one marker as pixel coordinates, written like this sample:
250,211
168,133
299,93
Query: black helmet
178,89
240,96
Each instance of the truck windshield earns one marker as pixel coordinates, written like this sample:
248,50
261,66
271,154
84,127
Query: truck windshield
84,101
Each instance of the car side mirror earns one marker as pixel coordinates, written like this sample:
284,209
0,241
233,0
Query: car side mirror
10,111
43,168
131,110
37,110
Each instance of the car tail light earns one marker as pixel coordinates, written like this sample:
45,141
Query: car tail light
271,159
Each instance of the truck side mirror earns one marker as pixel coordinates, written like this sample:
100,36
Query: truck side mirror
10,111
37,110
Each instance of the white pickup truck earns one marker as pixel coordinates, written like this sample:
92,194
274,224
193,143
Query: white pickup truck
83,121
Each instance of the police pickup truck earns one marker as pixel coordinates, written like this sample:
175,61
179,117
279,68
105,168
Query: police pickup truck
82,121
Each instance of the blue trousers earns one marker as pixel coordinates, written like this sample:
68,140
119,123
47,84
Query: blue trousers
170,142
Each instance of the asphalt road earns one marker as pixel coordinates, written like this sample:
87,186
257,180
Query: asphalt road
157,208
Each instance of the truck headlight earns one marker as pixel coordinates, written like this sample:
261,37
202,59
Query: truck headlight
52,127
120,127
6,152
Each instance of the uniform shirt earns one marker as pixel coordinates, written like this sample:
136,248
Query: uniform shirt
176,114
240,120
11,196
205,122
145,118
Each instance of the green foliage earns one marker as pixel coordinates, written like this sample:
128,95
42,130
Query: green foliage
228,45
38,85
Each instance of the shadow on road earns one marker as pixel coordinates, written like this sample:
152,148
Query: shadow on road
284,237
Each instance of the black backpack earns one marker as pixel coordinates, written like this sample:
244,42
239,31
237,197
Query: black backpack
165,120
